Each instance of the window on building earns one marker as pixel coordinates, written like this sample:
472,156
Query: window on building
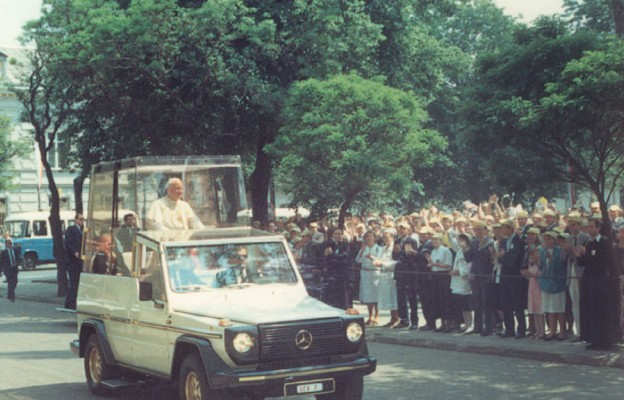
57,156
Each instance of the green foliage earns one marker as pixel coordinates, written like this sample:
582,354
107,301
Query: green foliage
596,15
506,81
9,150
474,26
348,138
579,121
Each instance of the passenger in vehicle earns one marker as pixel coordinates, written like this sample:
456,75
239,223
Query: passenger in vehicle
126,233
104,260
171,212
236,271
182,271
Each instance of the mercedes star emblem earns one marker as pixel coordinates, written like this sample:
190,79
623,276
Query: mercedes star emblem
303,340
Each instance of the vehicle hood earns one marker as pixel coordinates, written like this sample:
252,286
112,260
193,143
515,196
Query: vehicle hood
255,305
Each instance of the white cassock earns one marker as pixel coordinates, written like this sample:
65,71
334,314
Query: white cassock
172,215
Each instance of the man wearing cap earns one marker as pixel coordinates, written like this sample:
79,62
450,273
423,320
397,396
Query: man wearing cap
615,213
573,246
407,256
9,260
594,207
480,253
523,225
511,255
551,220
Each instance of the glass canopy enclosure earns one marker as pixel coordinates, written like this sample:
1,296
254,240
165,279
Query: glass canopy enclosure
161,193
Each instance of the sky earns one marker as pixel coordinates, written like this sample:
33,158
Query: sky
14,13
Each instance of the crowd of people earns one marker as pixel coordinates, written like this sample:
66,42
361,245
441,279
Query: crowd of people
480,270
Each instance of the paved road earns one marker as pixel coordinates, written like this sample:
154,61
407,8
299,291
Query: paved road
36,364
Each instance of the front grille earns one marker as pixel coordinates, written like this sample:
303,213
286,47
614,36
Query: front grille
277,341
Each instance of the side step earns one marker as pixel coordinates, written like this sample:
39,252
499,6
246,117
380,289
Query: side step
66,310
115,384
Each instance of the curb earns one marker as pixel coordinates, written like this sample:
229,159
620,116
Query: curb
603,359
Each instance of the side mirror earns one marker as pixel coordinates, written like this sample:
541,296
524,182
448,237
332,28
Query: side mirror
145,291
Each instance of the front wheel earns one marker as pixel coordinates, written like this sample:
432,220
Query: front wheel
193,384
346,389
96,368
30,262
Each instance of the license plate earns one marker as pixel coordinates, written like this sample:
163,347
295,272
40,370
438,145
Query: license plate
309,387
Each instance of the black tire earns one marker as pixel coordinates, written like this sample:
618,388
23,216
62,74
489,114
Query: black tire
193,384
29,262
346,389
96,368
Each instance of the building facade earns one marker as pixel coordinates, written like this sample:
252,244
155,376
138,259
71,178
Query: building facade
28,190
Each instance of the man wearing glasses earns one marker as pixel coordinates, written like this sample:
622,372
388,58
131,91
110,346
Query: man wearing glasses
73,243
236,272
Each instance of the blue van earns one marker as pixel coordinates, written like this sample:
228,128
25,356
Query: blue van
31,234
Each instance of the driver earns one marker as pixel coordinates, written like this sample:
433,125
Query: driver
236,272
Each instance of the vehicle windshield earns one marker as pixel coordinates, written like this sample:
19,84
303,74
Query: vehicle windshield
17,229
197,268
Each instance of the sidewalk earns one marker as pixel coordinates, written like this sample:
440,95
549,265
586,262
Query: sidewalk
564,352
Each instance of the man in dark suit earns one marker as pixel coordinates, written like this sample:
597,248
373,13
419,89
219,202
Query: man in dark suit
480,254
406,254
511,256
73,244
8,263
598,329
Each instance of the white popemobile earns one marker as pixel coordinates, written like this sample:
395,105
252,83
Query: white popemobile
219,311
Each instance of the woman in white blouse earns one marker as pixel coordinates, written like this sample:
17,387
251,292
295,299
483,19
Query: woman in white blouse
369,276
387,291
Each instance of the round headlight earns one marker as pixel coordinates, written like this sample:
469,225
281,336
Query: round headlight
242,342
354,332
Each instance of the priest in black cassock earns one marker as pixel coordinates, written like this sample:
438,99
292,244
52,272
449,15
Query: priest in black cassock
597,311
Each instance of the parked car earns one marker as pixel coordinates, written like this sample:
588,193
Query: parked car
32,235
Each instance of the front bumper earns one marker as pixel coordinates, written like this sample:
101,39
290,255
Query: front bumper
271,383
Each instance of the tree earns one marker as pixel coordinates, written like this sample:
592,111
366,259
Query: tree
590,14
521,69
9,150
193,77
46,108
349,140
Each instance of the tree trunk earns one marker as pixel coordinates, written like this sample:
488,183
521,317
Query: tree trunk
78,185
344,208
55,224
259,184
617,6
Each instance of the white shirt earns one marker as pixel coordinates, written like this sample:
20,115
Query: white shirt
441,255
460,283
172,215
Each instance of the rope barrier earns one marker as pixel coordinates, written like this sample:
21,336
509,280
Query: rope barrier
438,273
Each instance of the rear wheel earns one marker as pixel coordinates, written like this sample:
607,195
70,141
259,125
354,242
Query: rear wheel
30,262
346,389
96,368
